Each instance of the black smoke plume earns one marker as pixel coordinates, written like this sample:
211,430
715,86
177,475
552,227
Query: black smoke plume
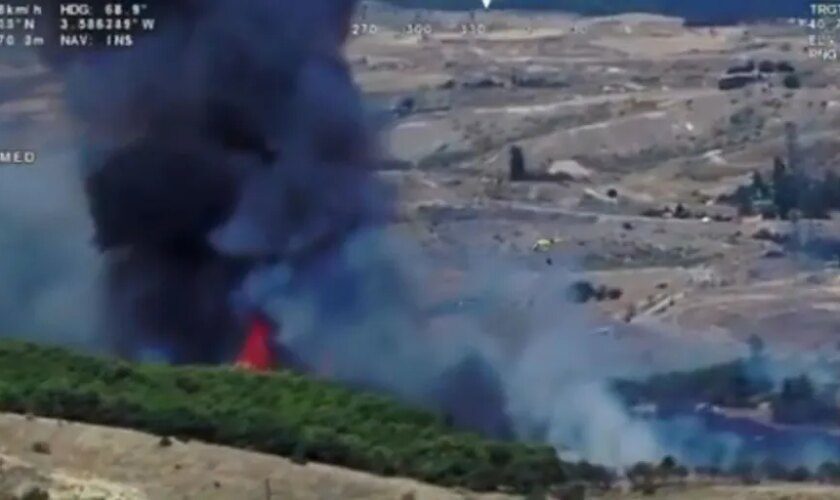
226,106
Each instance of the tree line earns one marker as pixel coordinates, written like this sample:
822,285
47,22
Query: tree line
789,193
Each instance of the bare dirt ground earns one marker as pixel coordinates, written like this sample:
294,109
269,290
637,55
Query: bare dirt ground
628,103
77,461
764,492
72,461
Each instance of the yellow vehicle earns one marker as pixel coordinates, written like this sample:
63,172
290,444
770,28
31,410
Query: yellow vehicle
545,244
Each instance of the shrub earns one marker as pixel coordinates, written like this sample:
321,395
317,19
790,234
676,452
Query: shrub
798,403
789,191
792,82
829,472
745,471
35,493
767,66
581,292
785,67
773,470
668,464
799,475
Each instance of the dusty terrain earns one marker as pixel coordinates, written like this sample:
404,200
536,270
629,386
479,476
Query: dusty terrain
77,461
768,492
630,104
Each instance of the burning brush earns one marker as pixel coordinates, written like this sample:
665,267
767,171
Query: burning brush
259,353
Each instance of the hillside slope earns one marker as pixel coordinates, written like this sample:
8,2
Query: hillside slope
75,460
89,461
280,413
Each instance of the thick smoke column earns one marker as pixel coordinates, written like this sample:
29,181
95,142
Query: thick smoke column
228,105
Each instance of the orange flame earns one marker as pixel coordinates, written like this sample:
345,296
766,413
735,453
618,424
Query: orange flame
257,353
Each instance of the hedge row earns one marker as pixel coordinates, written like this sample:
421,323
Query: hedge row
281,413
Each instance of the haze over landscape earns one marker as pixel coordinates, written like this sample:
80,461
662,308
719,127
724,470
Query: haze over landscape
598,231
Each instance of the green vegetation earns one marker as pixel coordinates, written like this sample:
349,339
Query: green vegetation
280,413
735,384
739,384
771,470
647,478
799,402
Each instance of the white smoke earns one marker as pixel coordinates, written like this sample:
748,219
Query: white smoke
49,270
577,410
360,316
